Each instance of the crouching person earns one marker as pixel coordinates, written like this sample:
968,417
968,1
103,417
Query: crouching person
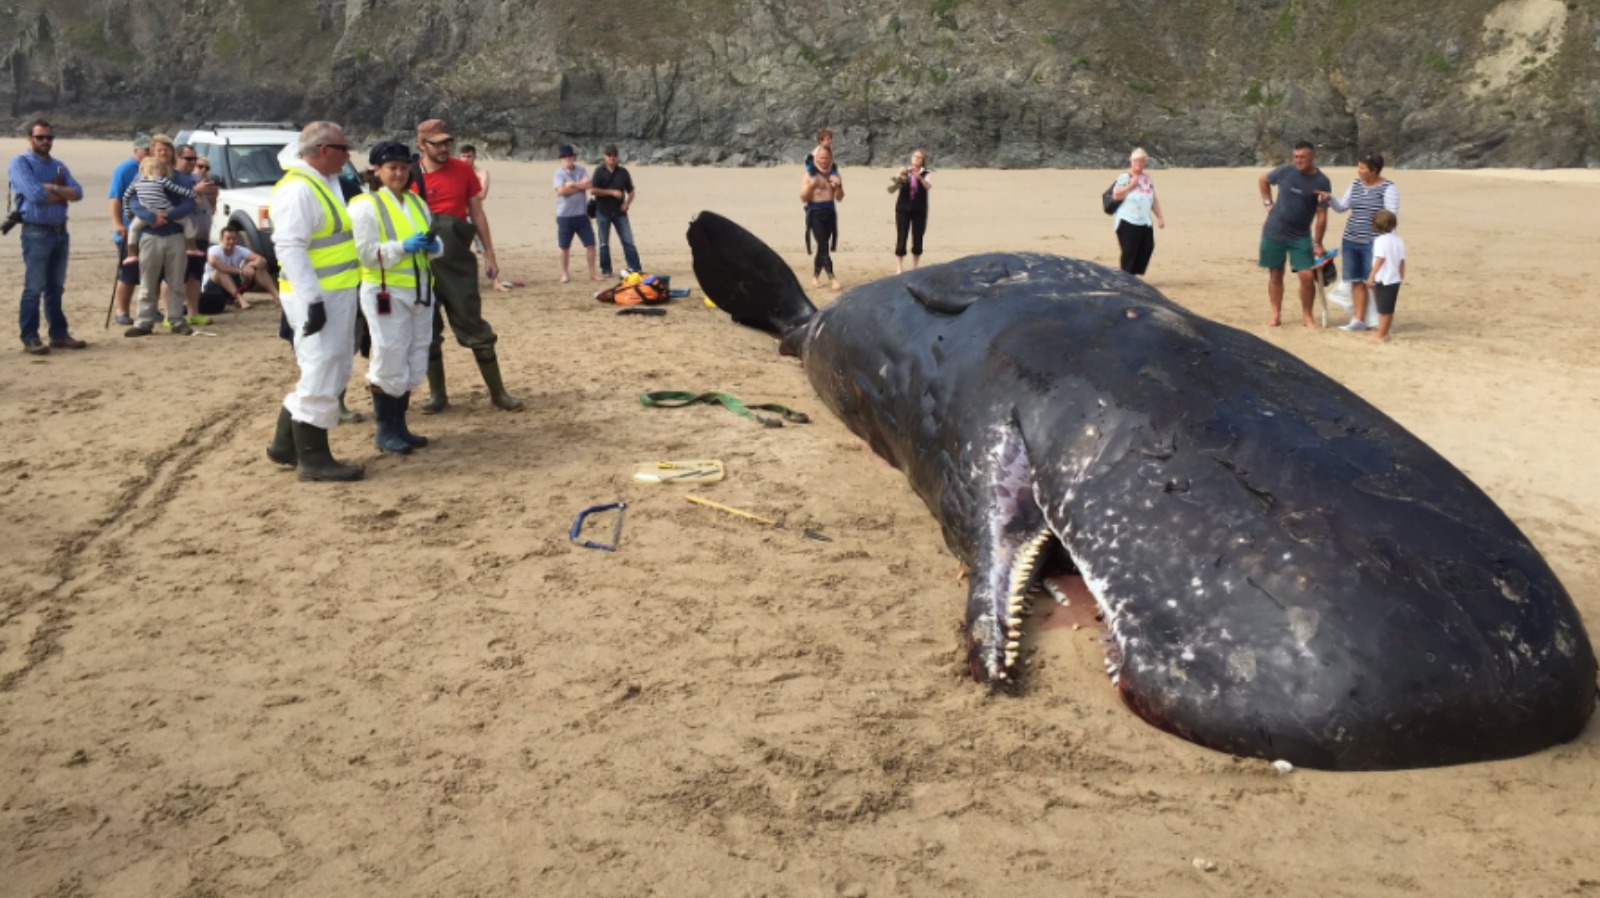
319,283
395,245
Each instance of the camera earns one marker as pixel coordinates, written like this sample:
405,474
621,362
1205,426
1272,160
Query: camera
12,220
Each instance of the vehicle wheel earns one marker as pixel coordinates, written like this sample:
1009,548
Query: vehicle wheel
256,242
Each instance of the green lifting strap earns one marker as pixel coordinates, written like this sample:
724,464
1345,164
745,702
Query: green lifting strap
676,399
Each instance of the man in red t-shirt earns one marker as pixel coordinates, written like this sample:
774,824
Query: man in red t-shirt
454,197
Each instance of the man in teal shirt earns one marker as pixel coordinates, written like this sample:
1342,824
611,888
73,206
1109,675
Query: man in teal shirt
1287,234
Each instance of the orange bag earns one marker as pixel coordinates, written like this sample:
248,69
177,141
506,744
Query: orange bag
648,291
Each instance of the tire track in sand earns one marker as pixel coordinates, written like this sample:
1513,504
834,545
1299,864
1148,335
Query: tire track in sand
31,627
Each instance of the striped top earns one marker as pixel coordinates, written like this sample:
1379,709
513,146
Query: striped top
155,194
1361,202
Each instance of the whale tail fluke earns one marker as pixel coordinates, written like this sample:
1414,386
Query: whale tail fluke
745,277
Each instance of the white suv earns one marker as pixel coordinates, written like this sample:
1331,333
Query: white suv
246,162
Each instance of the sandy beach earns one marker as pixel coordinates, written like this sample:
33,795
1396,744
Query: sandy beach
218,681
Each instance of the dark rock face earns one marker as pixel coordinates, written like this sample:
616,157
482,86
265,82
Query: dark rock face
1004,83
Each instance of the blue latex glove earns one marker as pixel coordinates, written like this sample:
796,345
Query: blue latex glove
415,243
437,246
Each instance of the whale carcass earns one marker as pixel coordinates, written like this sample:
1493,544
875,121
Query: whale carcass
1284,571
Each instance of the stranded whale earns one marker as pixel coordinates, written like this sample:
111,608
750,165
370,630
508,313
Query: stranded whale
1284,571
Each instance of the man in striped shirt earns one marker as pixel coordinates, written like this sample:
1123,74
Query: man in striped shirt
43,187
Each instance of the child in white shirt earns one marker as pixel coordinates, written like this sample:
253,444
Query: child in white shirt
1388,269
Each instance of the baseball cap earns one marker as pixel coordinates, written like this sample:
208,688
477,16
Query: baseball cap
432,129
565,151
142,142
389,151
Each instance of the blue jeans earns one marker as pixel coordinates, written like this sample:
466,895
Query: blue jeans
624,236
44,256
1357,261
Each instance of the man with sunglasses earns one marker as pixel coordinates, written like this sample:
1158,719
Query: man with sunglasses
43,187
319,284
455,199
205,209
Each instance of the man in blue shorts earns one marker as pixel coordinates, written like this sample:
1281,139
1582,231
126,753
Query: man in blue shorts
127,275
1287,235
572,185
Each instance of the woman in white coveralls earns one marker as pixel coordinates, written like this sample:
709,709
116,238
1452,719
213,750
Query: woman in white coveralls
395,243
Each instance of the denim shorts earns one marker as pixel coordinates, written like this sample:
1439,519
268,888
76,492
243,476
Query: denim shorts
569,225
1357,261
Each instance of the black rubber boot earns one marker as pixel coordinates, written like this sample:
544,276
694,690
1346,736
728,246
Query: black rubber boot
437,398
346,415
405,429
281,450
316,460
386,409
490,366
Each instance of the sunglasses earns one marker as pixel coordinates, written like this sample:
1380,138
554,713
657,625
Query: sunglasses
341,147
204,166
442,142
42,136
189,158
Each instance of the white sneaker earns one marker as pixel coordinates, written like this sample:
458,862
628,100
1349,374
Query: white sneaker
1355,326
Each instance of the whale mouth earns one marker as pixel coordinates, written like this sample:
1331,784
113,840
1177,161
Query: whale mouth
1041,572
1023,557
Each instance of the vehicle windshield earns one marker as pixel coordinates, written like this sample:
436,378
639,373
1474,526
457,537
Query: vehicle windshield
254,165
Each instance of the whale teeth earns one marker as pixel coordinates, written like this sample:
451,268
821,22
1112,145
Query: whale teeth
1012,646
1014,622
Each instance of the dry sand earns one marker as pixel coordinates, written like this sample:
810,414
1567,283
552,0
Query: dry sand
216,680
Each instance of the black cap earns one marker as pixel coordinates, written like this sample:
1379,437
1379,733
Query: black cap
389,151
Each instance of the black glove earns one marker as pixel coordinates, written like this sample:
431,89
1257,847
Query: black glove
316,317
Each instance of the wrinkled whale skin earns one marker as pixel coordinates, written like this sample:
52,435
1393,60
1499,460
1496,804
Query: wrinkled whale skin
1286,572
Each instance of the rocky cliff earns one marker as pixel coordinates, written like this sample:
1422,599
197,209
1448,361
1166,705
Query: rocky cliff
1007,83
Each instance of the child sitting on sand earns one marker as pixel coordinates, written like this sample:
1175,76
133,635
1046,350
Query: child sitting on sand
1388,269
157,192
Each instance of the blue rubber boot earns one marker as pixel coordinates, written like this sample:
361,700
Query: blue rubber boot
386,409
405,429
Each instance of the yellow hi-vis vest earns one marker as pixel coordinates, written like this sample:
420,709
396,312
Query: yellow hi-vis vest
333,246
403,271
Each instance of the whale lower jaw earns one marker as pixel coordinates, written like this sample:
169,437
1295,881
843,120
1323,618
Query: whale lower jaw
1021,550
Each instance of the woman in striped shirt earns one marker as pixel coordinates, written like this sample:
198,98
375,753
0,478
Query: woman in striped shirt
1368,193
